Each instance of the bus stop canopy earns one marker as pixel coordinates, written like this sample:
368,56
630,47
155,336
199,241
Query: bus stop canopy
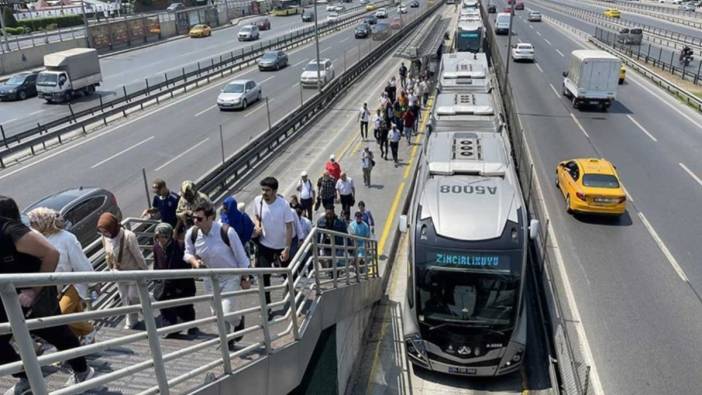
425,41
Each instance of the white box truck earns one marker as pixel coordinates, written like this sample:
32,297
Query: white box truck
68,73
502,23
592,78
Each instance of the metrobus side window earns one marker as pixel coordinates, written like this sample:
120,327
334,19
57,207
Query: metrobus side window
410,284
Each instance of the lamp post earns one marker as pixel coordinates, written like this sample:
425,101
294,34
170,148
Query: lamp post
509,39
88,40
316,45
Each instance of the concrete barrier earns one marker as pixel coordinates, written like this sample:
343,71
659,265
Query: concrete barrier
28,58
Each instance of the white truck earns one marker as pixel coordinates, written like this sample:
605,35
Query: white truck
502,23
592,78
68,73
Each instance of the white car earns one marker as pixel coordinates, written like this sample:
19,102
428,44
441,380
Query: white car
333,17
381,13
340,8
402,9
523,51
308,78
331,7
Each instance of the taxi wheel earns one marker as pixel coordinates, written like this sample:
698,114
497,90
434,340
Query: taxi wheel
568,209
558,185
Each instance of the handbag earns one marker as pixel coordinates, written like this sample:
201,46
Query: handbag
317,203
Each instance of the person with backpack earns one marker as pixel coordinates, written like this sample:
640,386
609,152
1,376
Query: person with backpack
25,251
241,222
209,244
168,255
274,222
122,253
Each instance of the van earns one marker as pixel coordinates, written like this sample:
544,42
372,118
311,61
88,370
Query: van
631,36
502,23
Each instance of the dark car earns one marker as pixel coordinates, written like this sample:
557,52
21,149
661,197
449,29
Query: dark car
263,24
370,20
492,9
81,207
308,16
414,4
273,60
380,31
519,6
175,7
362,31
19,87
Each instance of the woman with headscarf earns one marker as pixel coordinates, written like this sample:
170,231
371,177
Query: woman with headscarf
168,255
237,219
74,297
122,253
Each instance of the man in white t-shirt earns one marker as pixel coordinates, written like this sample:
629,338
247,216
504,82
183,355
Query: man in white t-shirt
274,227
307,194
347,193
364,116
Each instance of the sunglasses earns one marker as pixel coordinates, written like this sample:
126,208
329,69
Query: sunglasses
198,219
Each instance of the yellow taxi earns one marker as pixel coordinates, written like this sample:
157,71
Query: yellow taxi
591,185
200,30
622,75
612,13
371,7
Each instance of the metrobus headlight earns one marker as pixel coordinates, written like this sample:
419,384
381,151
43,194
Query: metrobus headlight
415,346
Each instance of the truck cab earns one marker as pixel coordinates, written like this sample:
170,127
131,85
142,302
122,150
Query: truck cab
68,73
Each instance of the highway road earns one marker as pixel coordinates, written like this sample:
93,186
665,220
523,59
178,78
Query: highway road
178,140
635,280
130,68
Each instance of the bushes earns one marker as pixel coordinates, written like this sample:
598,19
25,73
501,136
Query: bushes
56,21
8,17
13,31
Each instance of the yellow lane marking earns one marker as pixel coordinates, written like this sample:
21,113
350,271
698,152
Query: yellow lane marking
391,218
422,128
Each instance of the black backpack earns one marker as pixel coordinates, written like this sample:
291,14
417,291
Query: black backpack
223,233
11,260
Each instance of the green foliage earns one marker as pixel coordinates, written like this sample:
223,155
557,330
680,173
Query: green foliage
8,17
52,22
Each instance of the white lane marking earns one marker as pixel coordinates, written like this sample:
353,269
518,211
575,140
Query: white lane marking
325,49
579,125
520,40
539,67
121,152
628,195
531,26
666,252
267,79
300,62
9,120
181,154
262,105
560,53
36,112
344,40
662,99
693,175
538,32
205,110
642,128
558,95
548,42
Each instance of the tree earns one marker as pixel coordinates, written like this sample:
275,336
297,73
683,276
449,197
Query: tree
8,17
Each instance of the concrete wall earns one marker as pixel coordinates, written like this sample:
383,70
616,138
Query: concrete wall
349,341
29,58
168,29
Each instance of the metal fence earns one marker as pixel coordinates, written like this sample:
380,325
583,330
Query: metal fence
152,89
655,8
326,260
654,56
573,371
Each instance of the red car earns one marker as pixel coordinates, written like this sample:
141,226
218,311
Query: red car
263,24
510,1
519,6
507,10
396,23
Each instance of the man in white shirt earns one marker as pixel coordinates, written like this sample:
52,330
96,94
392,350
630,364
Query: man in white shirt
208,244
347,194
307,194
364,117
274,228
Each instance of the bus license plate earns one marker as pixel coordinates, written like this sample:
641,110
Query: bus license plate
455,370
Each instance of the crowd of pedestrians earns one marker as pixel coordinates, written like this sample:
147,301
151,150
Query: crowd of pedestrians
190,235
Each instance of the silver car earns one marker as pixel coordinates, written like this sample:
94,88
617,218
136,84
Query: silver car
238,94
248,33
80,207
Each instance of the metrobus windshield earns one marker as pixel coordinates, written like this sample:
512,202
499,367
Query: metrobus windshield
471,297
468,41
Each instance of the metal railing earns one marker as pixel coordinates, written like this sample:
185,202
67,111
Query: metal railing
152,91
655,8
573,372
326,260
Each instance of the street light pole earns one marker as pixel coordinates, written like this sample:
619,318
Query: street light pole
316,44
2,26
509,39
88,40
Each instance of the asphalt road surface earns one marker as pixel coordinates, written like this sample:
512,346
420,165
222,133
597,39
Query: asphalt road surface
635,279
